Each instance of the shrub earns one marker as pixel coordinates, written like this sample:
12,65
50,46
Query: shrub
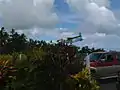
53,68
6,70
83,81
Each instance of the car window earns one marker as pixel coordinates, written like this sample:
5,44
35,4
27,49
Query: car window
103,56
118,56
109,58
95,56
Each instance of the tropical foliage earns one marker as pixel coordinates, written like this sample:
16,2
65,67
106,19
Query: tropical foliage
36,65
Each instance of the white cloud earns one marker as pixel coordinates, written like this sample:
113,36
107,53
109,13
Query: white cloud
24,14
96,14
56,33
65,35
70,18
81,4
100,15
98,18
99,24
99,40
105,3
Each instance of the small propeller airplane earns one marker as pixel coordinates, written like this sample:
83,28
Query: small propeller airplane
72,39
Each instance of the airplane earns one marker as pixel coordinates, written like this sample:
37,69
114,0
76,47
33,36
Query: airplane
72,39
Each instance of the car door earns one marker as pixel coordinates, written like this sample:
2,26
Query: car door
116,66
105,68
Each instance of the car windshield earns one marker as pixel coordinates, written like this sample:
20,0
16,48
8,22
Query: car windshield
95,56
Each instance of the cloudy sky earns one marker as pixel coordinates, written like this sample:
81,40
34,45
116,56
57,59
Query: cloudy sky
98,20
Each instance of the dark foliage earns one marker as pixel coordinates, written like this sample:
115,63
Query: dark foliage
14,42
42,66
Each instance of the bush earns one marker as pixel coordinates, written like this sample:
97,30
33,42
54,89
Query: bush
52,68
6,70
83,81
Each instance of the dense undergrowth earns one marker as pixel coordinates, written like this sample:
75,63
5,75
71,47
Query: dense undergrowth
40,70
37,65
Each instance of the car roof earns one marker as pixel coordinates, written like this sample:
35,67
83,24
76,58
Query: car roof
99,52
110,52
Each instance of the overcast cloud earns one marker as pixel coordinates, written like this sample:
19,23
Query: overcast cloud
25,14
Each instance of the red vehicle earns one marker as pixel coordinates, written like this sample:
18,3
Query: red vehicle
104,64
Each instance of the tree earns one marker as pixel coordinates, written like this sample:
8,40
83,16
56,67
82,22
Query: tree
4,37
17,42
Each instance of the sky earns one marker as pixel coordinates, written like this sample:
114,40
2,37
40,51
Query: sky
97,20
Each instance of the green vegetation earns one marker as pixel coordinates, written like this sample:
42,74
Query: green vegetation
37,65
